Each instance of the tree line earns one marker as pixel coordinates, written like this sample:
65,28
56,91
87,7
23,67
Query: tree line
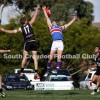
80,38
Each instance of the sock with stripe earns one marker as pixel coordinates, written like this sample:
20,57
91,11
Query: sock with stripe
58,66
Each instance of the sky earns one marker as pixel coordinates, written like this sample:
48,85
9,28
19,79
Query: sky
7,15
96,9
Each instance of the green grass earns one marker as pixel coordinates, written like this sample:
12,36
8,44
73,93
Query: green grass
50,95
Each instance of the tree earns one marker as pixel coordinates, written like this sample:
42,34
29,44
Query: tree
79,38
62,9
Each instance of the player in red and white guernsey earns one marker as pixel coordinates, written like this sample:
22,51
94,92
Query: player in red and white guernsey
57,37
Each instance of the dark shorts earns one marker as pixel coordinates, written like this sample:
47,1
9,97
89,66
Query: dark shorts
30,46
97,72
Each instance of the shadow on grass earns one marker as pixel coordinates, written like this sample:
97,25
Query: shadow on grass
45,93
50,93
72,93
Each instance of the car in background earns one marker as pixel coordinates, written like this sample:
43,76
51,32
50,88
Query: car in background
25,70
54,82
60,72
15,81
57,78
30,73
65,72
87,82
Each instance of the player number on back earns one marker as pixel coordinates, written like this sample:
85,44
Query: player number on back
26,28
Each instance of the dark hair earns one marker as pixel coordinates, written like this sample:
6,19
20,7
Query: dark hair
22,20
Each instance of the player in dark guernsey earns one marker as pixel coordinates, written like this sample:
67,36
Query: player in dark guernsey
96,77
57,37
27,31
29,39
2,94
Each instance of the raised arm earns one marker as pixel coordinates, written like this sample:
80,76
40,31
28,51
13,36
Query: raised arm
35,15
47,18
9,31
3,51
70,23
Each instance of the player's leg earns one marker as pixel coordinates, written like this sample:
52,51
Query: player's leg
59,56
35,58
52,52
33,48
2,94
94,80
0,83
25,57
98,83
24,60
98,90
51,56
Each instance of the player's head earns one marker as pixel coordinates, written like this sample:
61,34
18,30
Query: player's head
97,49
23,20
54,23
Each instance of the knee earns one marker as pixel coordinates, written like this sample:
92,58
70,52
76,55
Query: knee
25,56
98,80
35,57
49,60
58,59
93,80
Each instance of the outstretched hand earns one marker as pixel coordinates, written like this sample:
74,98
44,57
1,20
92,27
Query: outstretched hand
44,7
8,50
75,17
38,7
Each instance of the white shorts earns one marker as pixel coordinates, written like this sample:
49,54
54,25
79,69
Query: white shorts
57,45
